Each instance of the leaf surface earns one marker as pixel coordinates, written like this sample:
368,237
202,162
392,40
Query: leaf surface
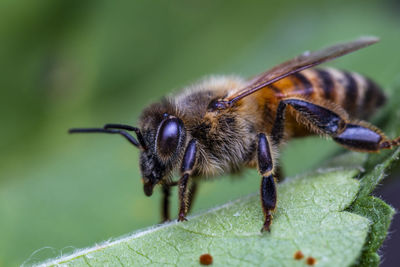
311,218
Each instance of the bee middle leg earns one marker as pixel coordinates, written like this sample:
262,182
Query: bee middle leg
279,173
268,183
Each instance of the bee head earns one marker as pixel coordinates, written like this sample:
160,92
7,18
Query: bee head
160,138
164,134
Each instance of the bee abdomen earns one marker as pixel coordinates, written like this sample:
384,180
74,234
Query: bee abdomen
358,95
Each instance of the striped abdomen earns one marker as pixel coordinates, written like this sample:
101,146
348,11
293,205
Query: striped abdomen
358,95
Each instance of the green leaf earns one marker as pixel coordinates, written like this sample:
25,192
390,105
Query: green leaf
375,170
311,217
376,210
380,214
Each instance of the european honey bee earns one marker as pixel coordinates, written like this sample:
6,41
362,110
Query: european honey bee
223,124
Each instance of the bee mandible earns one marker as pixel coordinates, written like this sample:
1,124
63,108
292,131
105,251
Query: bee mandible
224,124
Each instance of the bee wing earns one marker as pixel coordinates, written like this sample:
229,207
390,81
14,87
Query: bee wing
299,63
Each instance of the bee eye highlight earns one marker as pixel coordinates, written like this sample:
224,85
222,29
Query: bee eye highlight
168,136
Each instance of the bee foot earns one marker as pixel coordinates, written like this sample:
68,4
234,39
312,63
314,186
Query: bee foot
181,218
266,227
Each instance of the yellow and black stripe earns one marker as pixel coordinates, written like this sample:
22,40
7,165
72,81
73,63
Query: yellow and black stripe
358,95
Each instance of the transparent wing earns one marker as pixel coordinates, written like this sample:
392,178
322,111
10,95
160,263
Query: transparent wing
299,63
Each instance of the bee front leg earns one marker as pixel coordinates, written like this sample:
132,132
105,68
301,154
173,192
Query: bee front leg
166,190
268,183
192,194
189,159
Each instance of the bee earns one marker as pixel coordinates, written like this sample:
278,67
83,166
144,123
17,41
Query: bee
224,124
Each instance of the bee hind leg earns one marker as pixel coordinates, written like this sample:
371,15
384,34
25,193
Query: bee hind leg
365,138
354,135
268,192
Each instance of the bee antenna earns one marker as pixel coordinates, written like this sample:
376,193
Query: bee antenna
128,128
116,129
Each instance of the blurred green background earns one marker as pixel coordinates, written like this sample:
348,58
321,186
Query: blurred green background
85,63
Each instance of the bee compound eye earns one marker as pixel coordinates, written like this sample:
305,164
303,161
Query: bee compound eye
168,136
